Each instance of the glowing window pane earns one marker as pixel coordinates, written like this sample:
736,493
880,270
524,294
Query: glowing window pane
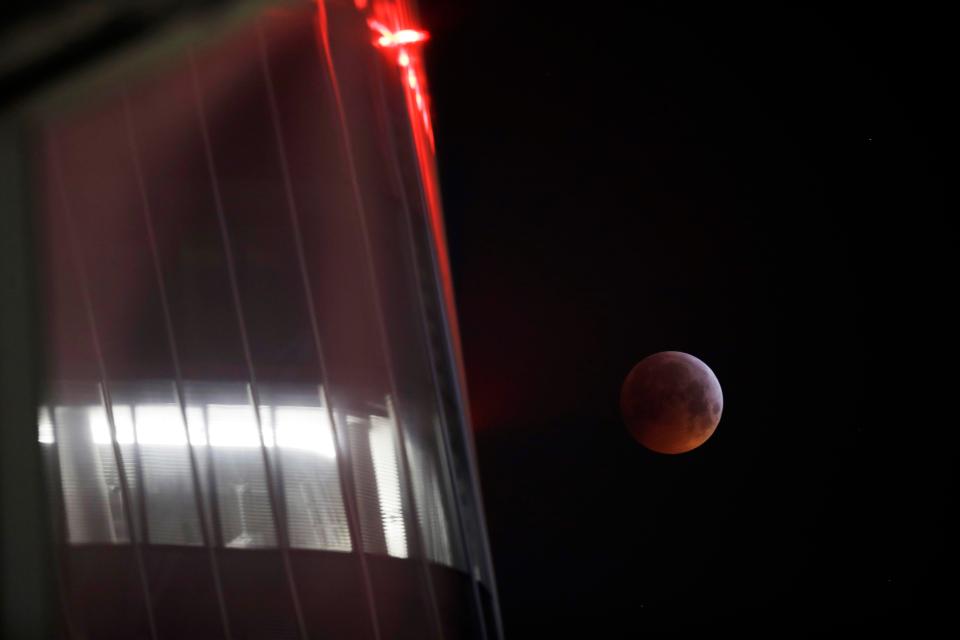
384,452
44,426
306,428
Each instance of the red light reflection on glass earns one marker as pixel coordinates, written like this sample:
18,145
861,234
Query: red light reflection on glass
413,81
390,39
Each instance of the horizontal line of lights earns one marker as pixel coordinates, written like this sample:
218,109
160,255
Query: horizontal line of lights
234,426
219,425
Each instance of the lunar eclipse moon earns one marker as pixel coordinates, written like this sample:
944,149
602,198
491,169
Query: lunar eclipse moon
671,402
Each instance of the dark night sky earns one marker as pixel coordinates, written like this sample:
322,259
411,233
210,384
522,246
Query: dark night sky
761,188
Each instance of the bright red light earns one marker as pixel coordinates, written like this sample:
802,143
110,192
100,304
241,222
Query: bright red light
390,38
404,36
397,39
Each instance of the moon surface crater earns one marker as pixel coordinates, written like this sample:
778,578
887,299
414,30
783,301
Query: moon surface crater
671,402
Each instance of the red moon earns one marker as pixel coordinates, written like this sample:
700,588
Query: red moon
671,402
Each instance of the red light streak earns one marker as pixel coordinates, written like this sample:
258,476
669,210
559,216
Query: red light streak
389,39
398,13
415,93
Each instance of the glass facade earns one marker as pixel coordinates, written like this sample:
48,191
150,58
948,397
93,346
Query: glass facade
253,421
